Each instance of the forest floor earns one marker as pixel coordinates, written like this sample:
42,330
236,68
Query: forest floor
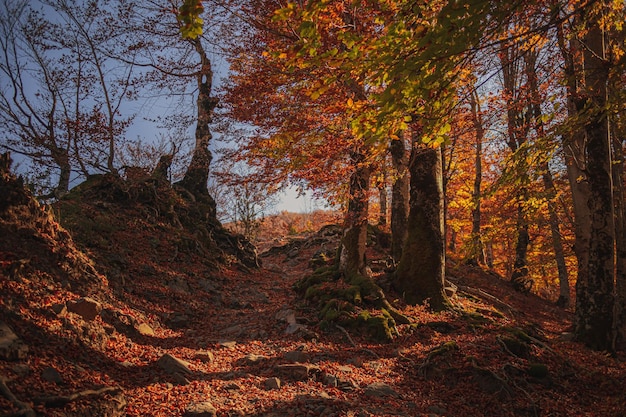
163,334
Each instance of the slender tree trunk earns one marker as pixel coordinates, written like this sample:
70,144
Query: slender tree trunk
574,143
354,240
548,182
595,299
420,274
620,241
519,276
557,242
517,135
399,197
197,174
476,253
382,199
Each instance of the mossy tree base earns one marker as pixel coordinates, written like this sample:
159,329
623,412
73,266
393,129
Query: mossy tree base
353,302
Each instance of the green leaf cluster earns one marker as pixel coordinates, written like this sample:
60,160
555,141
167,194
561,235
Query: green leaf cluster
189,17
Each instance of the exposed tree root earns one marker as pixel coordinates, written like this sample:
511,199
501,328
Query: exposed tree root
24,409
484,295
61,400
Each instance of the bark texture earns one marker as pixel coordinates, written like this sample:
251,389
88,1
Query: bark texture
354,240
399,197
595,298
420,274
197,174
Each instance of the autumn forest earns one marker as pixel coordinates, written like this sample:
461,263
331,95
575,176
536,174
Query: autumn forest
471,259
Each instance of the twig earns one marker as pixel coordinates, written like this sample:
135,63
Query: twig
347,334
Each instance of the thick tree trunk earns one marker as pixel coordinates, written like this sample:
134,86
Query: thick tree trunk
354,240
399,198
197,174
595,298
420,274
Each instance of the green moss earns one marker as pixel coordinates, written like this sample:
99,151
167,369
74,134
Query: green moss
516,346
444,348
537,370
381,328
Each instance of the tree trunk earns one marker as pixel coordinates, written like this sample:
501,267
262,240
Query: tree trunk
354,240
557,243
476,254
517,131
595,299
575,159
620,240
382,199
197,174
399,197
548,183
420,274
519,276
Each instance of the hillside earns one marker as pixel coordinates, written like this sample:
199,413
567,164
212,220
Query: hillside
122,300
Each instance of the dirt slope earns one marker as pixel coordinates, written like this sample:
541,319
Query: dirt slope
171,324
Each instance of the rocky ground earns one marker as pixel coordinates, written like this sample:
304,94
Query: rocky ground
134,318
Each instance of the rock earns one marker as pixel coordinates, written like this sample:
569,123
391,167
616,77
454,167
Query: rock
21,369
295,327
178,321
272,383
52,375
232,386
203,409
59,309
252,359
296,356
145,330
331,381
85,307
180,379
205,356
11,347
287,315
228,344
347,384
437,410
298,371
173,365
380,389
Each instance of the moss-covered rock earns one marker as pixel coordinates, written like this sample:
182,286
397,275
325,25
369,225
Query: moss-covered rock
379,327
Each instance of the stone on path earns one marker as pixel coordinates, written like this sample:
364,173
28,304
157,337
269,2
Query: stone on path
173,365
86,307
203,409
380,389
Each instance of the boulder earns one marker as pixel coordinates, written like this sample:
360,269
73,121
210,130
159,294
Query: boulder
85,307
203,409
173,365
